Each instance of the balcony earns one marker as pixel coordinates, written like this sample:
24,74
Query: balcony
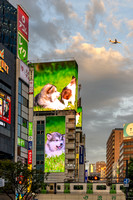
70,146
70,156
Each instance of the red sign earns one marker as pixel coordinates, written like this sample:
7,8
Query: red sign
5,107
30,157
23,22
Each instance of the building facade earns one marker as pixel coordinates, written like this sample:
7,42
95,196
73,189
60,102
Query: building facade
113,149
8,26
7,103
126,152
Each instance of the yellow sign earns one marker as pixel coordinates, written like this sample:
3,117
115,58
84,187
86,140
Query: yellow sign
3,66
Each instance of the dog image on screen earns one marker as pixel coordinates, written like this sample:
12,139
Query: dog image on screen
48,98
68,93
55,144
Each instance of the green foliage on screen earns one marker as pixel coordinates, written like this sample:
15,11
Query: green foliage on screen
55,163
56,73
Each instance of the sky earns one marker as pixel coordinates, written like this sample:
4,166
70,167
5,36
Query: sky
64,29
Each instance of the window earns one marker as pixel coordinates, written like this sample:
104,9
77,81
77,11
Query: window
78,187
101,187
58,187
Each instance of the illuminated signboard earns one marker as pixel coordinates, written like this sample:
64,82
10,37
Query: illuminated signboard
5,107
23,22
128,130
55,85
21,142
29,156
22,48
3,66
79,117
55,144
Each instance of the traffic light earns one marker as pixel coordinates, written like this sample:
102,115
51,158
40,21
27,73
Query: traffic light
94,178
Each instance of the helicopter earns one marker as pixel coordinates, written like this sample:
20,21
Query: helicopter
114,42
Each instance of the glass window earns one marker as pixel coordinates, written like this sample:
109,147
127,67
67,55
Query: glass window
19,109
19,87
19,98
18,130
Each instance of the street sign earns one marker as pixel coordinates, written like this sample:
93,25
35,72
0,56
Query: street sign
126,181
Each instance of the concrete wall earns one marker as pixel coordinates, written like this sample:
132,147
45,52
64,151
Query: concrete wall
80,197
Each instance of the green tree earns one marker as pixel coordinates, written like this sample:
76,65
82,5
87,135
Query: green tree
19,180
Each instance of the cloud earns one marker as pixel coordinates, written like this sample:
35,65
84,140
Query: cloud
94,9
62,8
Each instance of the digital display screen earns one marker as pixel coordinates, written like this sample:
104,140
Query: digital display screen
79,117
5,107
55,144
55,85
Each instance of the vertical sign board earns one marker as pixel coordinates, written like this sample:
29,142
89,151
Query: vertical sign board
29,156
22,48
55,144
30,143
23,22
86,175
24,72
81,154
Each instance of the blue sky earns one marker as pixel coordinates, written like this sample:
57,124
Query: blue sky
61,29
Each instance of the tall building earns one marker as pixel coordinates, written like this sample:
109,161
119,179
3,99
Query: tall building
126,149
8,26
101,168
7,103
54,121
113,149
22,112
14,83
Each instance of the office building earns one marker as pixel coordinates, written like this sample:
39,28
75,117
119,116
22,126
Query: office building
113,149
7,103
8,26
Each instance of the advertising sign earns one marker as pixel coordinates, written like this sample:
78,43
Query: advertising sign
55,86
79,117
24,72
22,48
86,175
23,22
21,142
30,128
128,130
5,107
29,156
55,144
30,145
4,68
81,154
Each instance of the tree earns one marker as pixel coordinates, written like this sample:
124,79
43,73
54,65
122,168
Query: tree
130,176
20,180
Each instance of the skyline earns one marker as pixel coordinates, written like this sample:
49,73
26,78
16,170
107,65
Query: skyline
62,29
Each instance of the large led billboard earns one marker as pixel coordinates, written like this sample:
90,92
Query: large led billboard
55,144
128,130
55,85
5,107
79,117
